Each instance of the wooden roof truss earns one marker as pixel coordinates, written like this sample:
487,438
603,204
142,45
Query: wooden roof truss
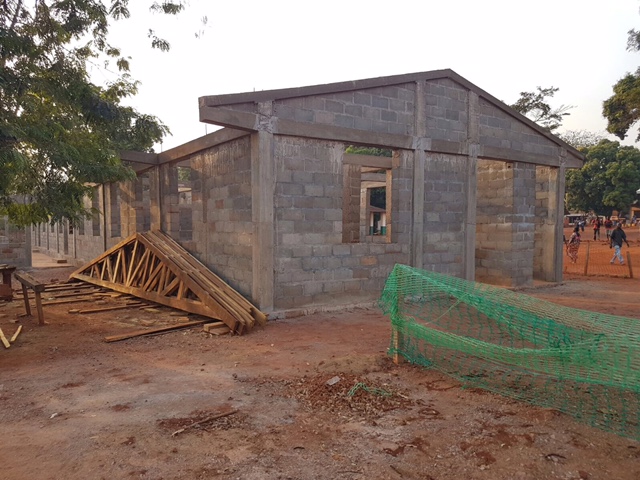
154,267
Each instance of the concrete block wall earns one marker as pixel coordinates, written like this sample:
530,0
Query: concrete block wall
499,130
170,199
542,216
80,245
15,244
446,110
505,225
444,213
312,263
524,224
493,222
402,198
383,109
221,212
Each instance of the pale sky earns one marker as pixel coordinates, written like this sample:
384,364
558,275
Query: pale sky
502,46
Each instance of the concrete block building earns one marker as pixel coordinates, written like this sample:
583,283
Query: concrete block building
276,205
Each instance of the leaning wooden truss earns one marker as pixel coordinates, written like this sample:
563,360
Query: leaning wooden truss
154,267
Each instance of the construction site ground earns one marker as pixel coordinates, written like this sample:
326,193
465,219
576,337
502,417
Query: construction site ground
313,397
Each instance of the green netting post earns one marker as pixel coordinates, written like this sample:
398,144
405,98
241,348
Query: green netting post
586,263
395,331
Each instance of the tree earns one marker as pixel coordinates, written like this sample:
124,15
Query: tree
59,132
535,106
607,181
581,138
622,109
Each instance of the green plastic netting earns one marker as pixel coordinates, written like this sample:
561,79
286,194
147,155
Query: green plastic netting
583,363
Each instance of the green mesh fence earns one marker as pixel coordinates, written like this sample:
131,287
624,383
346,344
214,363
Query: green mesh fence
583,363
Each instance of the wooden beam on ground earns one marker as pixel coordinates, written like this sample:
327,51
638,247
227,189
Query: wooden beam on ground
5,342
63,302
15,335
108,309
140,333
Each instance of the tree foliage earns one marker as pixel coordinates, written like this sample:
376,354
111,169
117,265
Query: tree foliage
581,138
59,132
607,181
622,109
535,106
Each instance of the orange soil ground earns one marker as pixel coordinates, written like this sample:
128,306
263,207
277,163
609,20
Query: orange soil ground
75,407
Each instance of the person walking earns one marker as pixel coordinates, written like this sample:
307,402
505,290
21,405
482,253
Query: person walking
617,237
573,245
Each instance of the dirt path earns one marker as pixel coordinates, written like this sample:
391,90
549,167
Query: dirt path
75,407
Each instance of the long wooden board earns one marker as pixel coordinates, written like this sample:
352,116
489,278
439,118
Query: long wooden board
140,333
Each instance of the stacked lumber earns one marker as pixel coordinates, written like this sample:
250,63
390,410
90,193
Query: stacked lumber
154,267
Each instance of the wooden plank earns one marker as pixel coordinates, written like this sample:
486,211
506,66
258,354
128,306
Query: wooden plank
25,296
5,342
63,287
108,309
63,302
15,335
26,279
118,265
39,308
127,280
140,267
139,333
169,289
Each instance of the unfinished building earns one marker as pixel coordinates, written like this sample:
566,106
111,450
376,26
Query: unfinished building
276,205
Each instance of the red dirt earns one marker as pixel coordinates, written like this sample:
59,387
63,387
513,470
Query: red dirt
75,407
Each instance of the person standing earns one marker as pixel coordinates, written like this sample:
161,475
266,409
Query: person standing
608,225
617,237
596,228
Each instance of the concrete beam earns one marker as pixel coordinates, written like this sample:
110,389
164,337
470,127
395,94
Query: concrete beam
230,118
508,155
129,156
374,177
205,142
341,134
367,160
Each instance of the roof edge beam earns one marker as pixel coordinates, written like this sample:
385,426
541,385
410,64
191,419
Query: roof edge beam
203,143
229,118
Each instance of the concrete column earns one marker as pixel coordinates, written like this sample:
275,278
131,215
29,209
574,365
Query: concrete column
351,200
155,195
417,225
28,257
549,212
469,249
263,184
419,165
558,203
